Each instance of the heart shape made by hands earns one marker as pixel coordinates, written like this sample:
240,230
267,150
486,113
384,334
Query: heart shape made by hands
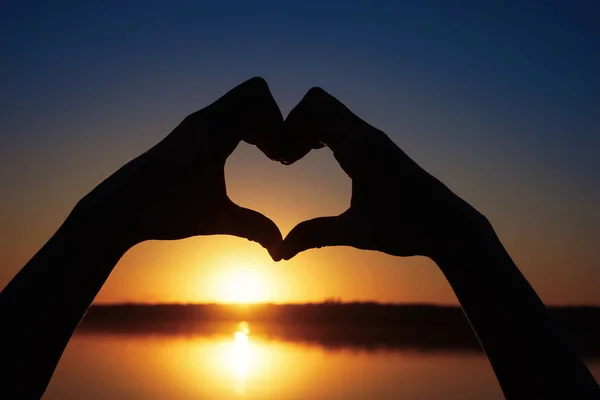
313,186
303,129
396,207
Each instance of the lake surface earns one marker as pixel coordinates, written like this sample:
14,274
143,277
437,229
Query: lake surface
233,363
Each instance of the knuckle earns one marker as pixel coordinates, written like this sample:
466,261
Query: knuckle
316,93
257,83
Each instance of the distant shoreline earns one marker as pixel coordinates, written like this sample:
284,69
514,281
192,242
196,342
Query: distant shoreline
329,324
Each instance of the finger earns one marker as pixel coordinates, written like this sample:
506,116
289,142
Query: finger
316,233
321,118
249,112
249,224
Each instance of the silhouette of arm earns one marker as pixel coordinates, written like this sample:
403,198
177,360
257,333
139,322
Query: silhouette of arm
400,209
173,191
529,353
41,307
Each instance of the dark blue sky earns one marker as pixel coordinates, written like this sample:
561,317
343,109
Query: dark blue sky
500,99
509,63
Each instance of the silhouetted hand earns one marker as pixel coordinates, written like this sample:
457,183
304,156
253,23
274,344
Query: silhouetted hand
396,206
177,188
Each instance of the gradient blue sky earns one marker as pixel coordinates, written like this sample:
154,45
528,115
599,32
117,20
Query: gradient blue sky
500,100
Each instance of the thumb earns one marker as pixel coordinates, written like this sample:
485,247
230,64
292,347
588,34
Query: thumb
250,224
316,233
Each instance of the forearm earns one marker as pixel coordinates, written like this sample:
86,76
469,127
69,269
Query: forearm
41,307
530,356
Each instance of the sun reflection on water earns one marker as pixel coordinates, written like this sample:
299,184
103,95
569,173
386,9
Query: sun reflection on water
242,357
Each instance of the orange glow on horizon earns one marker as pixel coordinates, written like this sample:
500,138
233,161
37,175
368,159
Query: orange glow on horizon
227,269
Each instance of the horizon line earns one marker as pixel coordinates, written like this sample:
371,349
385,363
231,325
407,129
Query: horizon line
323,302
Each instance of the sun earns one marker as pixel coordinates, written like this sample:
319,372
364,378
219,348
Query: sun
243,287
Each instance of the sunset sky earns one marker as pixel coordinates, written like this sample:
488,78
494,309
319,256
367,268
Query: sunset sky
500,101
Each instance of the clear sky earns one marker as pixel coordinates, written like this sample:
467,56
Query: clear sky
498,99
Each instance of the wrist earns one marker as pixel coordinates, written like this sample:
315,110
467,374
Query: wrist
112,213
473,239
95,229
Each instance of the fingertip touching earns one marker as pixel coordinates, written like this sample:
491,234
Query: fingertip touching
312,234
252,225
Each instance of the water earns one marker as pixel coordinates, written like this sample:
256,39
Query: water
235,364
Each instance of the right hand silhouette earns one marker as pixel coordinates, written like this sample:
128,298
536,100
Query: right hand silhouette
396,207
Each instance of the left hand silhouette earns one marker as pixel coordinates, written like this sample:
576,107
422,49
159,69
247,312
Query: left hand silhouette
177,188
